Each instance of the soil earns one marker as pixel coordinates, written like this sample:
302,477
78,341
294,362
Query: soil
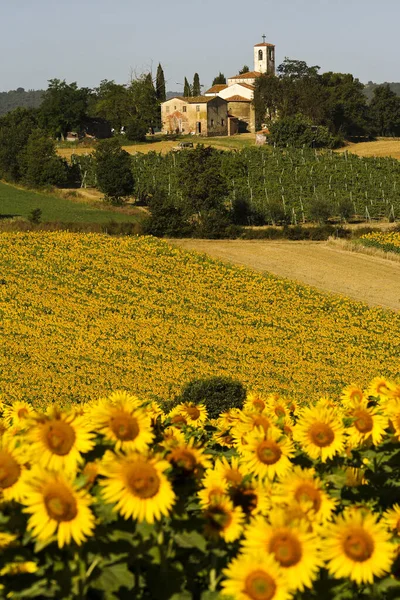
370,279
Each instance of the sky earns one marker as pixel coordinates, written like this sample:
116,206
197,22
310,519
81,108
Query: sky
90,40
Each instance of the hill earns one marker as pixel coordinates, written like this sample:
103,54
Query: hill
85,314
370,86
19,98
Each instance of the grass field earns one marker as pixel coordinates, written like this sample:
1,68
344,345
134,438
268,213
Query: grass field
381,147
86,314
16,202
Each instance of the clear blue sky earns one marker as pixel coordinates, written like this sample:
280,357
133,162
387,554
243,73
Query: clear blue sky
90,40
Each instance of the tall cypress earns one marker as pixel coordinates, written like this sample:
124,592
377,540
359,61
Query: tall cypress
196,85
187,92
160,84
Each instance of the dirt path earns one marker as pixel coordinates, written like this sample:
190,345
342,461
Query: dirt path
369,279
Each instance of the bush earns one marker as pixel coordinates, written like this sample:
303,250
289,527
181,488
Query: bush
214,224
113,171
166,220
299,132
219,394
136,130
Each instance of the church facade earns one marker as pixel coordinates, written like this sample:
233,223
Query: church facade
224,109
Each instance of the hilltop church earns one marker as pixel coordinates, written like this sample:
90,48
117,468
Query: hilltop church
224,109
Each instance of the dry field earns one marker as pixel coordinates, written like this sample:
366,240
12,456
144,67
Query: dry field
370,279
380,147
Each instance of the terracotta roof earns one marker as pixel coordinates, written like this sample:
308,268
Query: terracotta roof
200,99
249,75
247,85
264,44
237,98
216,88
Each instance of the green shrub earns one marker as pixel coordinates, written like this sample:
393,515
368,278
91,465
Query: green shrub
299,132
219,394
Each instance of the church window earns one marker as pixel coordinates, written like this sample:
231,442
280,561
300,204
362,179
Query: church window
183,108
271,54
222,122
260,55
212,122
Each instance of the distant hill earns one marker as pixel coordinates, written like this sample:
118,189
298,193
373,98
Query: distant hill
170,95
370,86
19,97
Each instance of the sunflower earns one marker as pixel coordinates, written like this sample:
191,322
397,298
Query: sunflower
294,547
392,518
6,539
58,508
380,387
277,406
188,458
249,421
254,577
90,471
195,414
16,568
301,487
358,547
392,408
12,469
138,486
252,496
229,418
172,437
254,402
18,413
352,394
267,454
355,477
320,432
224,438
123,421
58,440
155,412
229,471
223,520
213,486
177,418
367,424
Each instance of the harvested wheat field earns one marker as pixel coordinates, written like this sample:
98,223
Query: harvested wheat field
380,147
370,279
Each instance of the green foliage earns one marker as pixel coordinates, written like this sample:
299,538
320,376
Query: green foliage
64,108
196,88
219,79
219,394
244,69
113,171
35,216
160,84
136,129
15,129
166,220
299,132
145,101
114,103
19,98
187,91
40,164
384,111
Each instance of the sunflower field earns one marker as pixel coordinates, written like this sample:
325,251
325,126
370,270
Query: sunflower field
386,241
82,315
116,498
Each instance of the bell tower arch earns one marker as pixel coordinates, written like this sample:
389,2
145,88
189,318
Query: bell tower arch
264,57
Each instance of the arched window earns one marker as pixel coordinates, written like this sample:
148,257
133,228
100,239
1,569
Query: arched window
260,55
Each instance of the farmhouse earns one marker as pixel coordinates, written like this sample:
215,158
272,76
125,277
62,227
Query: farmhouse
205,116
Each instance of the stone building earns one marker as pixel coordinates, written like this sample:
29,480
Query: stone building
225,109
201,115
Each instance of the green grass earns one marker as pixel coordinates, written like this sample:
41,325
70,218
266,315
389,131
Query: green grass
15,202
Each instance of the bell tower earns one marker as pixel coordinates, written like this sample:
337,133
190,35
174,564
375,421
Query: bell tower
264,57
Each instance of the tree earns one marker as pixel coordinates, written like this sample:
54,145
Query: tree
15,129
136,129
244,69
39,163
196,88
160,85
113,171
187,92
298,132
219,79
114,102
144,101
296,69
64,108
384,111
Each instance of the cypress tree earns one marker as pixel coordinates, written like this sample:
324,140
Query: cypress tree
196,85
219,79
186,90
160,84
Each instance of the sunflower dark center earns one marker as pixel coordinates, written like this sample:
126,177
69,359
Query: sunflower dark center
363,421
193,412
142,480
60,503
358,545
321,434
247,499
124,426
9,470
259,404
261,421
59,436
286,547
259,585
306,492
218,518
183,458
280,411
268,452
22,413
233,476
178,420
